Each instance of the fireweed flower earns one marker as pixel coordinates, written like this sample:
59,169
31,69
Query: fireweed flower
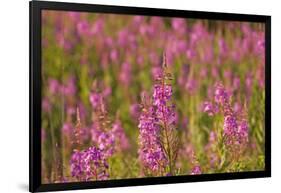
179,25
183,74
95,99
106,142
97,27
158,138
186,81
103,137
215,72
184,123
196,170
67,129
236,83
235,129
210,108
187,152
203,72
221,96
69,89
191,86
156,71
150,151
89,164
135,110
212,150
122,142
125,74
62,41
46,106
70,110
106,92
101,130
74,15
77,168
208,54
114,55
83,28
122,39
190,54
223,49
154,59
54,86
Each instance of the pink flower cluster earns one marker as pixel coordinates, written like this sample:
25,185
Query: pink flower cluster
235,128
107,138
89,164
157,139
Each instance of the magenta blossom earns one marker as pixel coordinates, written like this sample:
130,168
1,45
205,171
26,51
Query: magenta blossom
235,131
89,164
122,141
157,139
196,170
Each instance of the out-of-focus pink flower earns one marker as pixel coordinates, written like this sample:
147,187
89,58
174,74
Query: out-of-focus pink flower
215,72
114,55
156,72
135,110
122,141
106,92
83,28
203,72
221,95
123,37
196,170
95,99
191,86
67,129
46,106
97,27
54,86
69,89
236,83
154,59
179,26
74,15
190,54
70,111
63,42
140,60
125,74
210,108
223,49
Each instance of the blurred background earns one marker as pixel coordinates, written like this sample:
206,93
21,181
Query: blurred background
119,57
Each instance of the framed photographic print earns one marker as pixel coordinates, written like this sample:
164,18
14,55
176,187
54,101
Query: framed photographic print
126,96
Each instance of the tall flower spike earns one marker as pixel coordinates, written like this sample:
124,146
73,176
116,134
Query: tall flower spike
166,115
164,63
121,139
77,131
150,151
157,126
102,134
235,129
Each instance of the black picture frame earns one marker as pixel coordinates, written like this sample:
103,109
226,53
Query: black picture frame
36,7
